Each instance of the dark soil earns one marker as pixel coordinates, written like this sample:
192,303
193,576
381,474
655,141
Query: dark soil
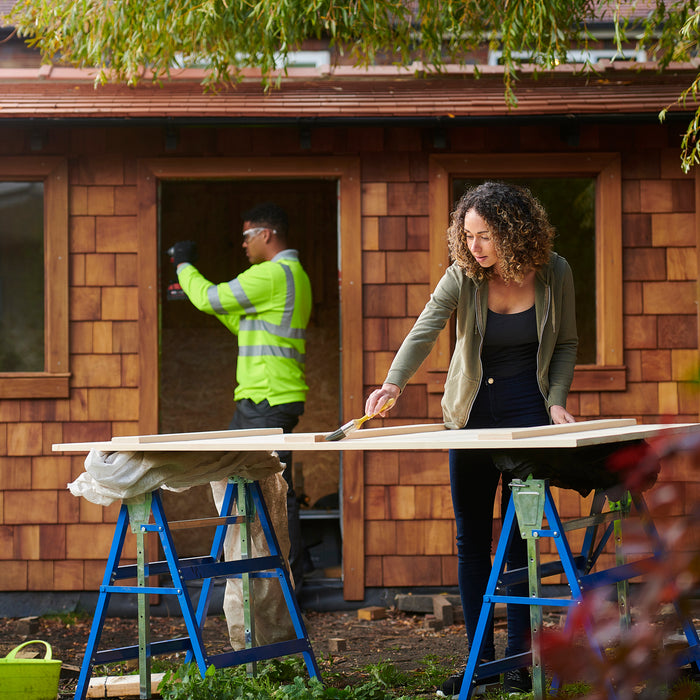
402,639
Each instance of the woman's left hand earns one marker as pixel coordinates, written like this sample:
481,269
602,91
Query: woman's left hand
561,415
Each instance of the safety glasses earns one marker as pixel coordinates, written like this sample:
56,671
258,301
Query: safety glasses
253,232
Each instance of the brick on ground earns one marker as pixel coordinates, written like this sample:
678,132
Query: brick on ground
373,612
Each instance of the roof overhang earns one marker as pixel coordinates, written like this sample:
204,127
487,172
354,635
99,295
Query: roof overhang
383,92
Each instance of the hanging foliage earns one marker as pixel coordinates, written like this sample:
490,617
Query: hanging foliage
127,40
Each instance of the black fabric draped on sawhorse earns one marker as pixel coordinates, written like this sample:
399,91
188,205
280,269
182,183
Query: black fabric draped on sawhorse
531,502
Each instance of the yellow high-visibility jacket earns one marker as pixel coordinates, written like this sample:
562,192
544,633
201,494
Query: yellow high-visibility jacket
268,308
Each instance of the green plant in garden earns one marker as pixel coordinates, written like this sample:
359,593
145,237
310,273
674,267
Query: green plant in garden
186,683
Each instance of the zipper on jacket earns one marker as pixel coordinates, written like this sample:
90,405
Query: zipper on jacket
477,330
548,300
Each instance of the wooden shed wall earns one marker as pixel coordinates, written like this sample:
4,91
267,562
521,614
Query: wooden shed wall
398,524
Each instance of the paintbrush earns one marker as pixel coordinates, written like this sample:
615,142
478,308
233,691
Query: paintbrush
355,423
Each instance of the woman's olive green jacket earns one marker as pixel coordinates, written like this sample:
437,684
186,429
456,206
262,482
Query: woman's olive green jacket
556,330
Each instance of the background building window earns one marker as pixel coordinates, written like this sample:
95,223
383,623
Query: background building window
570,203
22,277
34,278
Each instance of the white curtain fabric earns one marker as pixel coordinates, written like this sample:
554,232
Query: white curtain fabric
126,476
114,476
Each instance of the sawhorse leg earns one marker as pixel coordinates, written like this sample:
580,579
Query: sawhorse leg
534,501
102,603
250,504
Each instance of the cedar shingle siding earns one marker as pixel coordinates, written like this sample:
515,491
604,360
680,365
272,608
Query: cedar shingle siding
398,519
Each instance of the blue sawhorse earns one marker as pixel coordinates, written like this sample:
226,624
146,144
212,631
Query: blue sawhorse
530,501
148,516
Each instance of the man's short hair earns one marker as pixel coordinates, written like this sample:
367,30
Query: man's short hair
269,215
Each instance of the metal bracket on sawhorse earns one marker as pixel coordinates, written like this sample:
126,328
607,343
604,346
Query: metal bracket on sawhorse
147,515
531,501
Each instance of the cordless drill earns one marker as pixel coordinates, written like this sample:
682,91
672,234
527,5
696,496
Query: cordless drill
184,251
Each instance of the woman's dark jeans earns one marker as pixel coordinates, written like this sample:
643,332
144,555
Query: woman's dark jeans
511,402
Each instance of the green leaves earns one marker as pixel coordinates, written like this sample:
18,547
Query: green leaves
129,40
124,37
185,683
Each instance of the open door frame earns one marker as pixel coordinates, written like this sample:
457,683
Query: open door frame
347,172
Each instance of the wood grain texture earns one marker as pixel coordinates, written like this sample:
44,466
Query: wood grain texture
435,440
203,435
582,426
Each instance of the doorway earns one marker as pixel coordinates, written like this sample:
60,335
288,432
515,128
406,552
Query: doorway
198,354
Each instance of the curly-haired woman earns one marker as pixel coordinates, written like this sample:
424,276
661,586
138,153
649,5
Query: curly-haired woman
512,366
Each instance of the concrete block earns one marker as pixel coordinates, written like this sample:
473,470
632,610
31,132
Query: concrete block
421,603
443,610
430,622
28,626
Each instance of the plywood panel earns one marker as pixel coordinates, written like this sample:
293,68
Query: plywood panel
542,430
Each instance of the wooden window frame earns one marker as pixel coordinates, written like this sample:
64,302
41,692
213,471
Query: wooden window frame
609,372
54,381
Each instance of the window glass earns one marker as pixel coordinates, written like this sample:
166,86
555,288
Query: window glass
570,203
21,277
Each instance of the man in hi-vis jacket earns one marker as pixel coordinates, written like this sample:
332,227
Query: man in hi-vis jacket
268,307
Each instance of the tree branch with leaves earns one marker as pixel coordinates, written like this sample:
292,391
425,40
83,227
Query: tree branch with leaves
125,40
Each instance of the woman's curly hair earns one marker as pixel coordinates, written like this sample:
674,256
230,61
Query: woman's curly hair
522,233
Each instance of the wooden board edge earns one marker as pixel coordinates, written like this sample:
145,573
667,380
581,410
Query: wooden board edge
301,438
205,435
396,430
541,430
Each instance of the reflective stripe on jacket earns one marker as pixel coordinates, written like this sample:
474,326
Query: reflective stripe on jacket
268,308
455,292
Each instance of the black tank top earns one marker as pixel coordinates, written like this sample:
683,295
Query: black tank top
510,344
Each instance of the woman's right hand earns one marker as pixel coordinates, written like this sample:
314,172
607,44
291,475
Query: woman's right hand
379,397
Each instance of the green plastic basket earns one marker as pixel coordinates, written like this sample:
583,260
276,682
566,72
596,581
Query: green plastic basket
29,679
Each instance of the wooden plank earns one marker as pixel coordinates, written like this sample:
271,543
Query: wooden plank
205,435
204,522
121,686
589,434
397,430
149,289
301,438
539,430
